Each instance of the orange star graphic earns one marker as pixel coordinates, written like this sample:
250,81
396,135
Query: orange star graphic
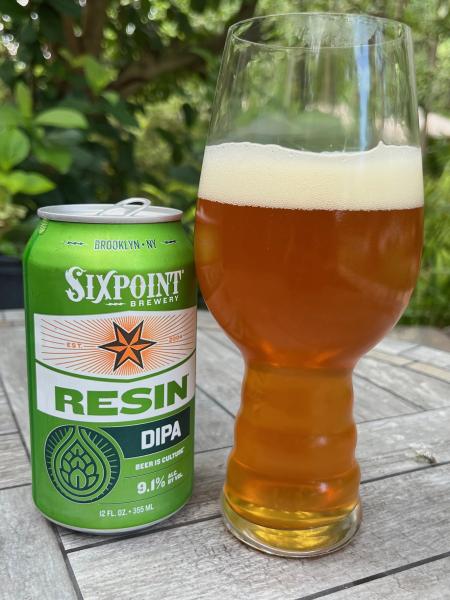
128,345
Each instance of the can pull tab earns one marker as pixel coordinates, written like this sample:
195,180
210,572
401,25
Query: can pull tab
134,201
131,206
140,203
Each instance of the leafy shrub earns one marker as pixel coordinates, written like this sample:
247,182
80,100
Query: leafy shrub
107,99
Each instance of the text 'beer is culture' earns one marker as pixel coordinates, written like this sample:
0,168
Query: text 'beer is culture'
111,318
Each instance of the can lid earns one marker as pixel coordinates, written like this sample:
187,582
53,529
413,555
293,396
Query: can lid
131,210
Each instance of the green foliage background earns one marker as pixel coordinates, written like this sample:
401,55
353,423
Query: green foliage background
104,99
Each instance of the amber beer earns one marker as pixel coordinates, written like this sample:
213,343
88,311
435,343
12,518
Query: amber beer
306,260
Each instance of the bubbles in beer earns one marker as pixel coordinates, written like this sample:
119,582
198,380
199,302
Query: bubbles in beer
266,175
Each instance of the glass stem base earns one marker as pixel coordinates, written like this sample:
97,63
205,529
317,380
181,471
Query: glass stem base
294,543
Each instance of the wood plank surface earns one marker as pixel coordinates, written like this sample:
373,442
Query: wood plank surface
7,424
403,443
405,521
213,425
385,447
31,566
432,356
14,374
393,359
13,316
430,581
372,402
403,405
219,371
386,351
381,367
420,390
216,353
206,321
437,372
209,474
391,345
14,465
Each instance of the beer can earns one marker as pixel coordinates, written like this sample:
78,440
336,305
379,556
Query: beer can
110,297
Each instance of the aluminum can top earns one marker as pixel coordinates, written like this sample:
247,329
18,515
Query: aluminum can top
131,210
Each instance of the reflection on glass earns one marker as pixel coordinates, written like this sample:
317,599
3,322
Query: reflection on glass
308,241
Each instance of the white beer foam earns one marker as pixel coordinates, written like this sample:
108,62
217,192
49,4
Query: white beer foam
243,173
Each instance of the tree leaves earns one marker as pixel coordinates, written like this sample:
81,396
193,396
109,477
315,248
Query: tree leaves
119,110
14,148
9,116
65,118
24,100
35,183
57,157
25,182
98,75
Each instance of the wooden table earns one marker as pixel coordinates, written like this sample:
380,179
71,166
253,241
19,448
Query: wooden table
402,551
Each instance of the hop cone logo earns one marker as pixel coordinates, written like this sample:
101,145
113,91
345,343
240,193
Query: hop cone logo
82,463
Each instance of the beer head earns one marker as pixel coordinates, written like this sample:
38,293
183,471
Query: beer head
249,174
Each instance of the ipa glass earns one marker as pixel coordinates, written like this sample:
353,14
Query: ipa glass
308,242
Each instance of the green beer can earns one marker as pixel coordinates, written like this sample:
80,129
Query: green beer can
110,298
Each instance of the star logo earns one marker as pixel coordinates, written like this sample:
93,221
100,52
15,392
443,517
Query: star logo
128,345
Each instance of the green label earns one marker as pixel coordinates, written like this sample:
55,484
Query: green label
82,463
147,438
111,331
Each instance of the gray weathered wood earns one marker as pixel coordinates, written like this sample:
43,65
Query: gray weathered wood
219,372
15,315
438,358
425,335
31,566
394,346
372,402
402,443
425,582
388,350
209,474
405,521
420,390
217,353
384,447
7,424
395,382
14,465
393,359
14,374
436,372
213,425
403,399
205,320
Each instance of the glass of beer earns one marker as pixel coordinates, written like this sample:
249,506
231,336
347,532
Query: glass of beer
308,241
